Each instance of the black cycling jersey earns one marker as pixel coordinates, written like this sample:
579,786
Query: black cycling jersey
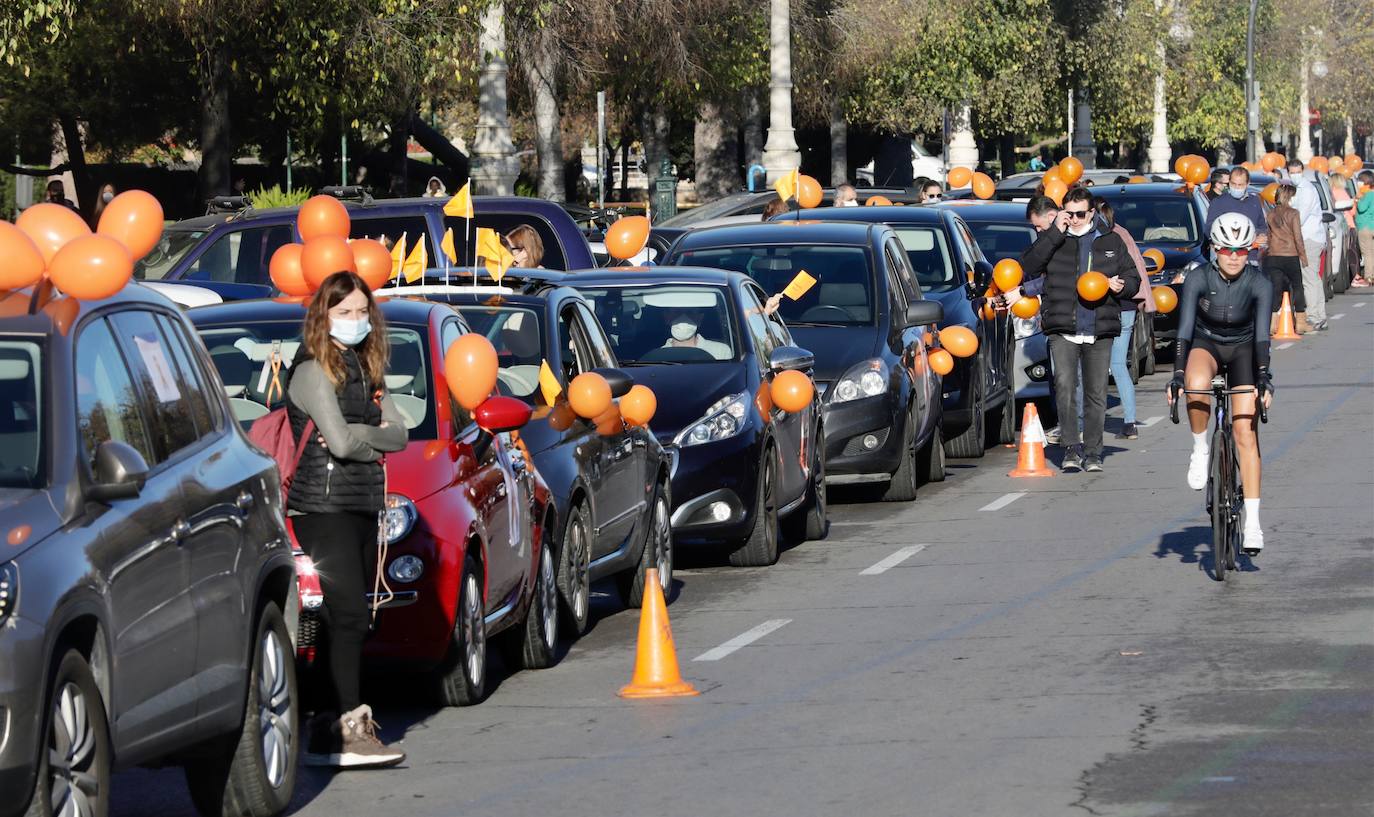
1226,312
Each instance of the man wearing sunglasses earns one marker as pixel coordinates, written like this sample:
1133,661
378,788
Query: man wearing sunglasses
1079,332
1223,325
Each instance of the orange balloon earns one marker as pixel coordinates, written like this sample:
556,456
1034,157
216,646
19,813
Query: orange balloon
1056,190
91,267
1137,180
22,263
1007,274
627,237
373,261
562,417
1270,191
763,401
809,193
983,186
959,177
1165,299
589,395
792,391
959,340
1319,164
322,216
1092,286
1156,255
941,362
609,421
988,312
1054,174
51,226
134,219
470,368
1353,162
878,201
639,405
323,256
1181,165
1271,161
1025,307
286,272
1199,171
1071,169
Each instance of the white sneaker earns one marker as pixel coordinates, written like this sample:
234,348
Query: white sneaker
1254,542
1197,470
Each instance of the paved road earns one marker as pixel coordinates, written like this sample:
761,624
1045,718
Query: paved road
1066,653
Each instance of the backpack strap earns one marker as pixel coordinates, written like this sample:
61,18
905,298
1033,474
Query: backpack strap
305,438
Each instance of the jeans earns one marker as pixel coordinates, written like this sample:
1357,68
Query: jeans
343,547
1065,358
1121,350
1312,285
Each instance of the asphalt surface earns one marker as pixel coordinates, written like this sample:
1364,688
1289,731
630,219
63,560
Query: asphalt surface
1065,653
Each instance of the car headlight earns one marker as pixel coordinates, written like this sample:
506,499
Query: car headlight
1025,327
9,590
405,568
866,379
724,419
398,517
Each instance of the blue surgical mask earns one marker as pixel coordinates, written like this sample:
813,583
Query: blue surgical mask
347,332
1235,194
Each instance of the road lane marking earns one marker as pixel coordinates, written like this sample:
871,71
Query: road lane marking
892,561
1149,421
1338,316
1360,304
1003,501
744,639
1284,345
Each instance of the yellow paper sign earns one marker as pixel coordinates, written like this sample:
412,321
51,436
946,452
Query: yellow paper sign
548,384
800,285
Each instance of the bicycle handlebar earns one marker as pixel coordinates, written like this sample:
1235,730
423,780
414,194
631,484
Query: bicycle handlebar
1218,393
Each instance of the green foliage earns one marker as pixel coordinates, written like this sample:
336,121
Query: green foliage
274,196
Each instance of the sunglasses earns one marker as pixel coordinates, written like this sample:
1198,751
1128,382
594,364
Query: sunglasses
1233,251
1077,213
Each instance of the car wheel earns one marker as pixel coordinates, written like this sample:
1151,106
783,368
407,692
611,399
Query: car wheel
811,522
657,552
932,464
1147,364
970,443
575,572
539,636
1133,360
1006,422
462,677
257,774
74,767
760,548
902,486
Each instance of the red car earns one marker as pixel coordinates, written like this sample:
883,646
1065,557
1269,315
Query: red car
466,516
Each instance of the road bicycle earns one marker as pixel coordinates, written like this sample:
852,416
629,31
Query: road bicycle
1223,495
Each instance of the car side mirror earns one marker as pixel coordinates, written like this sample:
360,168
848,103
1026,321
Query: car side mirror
1328,217
982,275
119,471
922,313
1151,267
619,381
791,359
501,414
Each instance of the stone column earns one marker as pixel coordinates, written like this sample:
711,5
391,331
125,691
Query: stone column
963,148
1160,152
1084,148
1304,106
1349,136
494,163
780,154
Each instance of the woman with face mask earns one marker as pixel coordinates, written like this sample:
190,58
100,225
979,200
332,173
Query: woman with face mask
338,382
684,331
107,194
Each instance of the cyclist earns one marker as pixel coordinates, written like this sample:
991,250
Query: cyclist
1223,324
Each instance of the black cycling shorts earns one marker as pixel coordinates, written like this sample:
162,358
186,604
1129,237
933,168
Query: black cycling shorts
1237,360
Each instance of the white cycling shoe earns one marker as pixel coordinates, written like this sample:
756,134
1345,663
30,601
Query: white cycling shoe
1197,471
1253,544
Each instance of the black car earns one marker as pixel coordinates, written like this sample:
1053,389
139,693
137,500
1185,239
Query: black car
950,268
701,339
748,205
869,327
611,491
147,582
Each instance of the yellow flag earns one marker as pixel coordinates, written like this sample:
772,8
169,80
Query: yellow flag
460,206
448,248
799,286
496,257
416,262
787,186
398,256
548,384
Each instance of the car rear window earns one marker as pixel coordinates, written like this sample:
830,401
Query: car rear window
928,251
1157,220
842,295
21,414
998,241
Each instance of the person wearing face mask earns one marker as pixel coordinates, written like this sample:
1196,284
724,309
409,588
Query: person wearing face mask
684,331
107,194
338,382
846,196
1239,199
1217,184
932,192
57,194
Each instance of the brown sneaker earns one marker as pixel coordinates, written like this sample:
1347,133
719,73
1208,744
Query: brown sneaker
349,742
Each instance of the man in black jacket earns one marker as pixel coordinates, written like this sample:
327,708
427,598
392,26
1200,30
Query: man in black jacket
1079,332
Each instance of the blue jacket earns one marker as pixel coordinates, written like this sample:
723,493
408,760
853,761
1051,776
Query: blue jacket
1249,205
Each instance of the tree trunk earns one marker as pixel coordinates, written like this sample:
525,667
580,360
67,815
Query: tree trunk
624,169
1006,153
397,163
85,193
654,128
713,150
216,139
541,72
839,143
753,129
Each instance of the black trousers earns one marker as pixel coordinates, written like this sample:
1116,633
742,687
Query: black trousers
1096,359
343,547
1285,272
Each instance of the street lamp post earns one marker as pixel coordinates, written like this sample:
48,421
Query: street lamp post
780,154
1252,114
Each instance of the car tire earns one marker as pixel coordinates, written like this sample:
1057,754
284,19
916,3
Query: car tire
539,634
1147,364
902,486
970,444
575,572
811,521
256,774
75,719
462,676
1006,422
932,458
657,552
760,547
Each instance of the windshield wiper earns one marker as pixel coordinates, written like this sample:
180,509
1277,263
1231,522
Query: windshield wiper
814,324
653,363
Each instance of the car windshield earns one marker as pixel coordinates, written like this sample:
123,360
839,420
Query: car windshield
244,355
1157,220
842,295
170,249
21,414
928,251
999,241
733,205
669,323
518,337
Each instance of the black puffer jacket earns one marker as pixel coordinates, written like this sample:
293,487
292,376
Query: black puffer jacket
1060,259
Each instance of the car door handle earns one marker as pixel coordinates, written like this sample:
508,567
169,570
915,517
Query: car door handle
243,501
180,530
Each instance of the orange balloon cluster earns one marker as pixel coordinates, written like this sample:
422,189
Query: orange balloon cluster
1165,299
53,240
941,362
1193,168
1319,164
638,406
1271,161
959,340
792,391
470,369
589,395
1092,286
627,236
1070,169
1056,190
959,177
1007,274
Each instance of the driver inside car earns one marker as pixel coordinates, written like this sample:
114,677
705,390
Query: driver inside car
684,327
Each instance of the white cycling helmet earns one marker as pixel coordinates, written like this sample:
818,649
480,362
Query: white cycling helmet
1232,230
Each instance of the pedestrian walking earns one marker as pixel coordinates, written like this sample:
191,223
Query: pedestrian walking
1041,212
1286,257
1308,205
338,384
1364,223
1139,307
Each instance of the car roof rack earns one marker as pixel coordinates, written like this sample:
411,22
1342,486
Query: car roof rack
348,192
228,204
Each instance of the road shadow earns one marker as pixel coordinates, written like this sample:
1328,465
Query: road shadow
1193,545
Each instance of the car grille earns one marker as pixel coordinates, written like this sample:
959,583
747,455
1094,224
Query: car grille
309,631
855,445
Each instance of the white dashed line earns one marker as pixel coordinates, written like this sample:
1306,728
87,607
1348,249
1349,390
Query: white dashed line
892,561
1149,421
1284,345
1338,316
1360,304
1003,501
744,639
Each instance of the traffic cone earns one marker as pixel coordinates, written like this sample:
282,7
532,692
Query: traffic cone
1030,460
1286,329
656,673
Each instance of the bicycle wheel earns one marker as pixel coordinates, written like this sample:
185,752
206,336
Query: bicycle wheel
1219,502
1237,506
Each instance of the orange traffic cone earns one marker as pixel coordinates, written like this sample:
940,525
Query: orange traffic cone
656,673
1030,460
1286,329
